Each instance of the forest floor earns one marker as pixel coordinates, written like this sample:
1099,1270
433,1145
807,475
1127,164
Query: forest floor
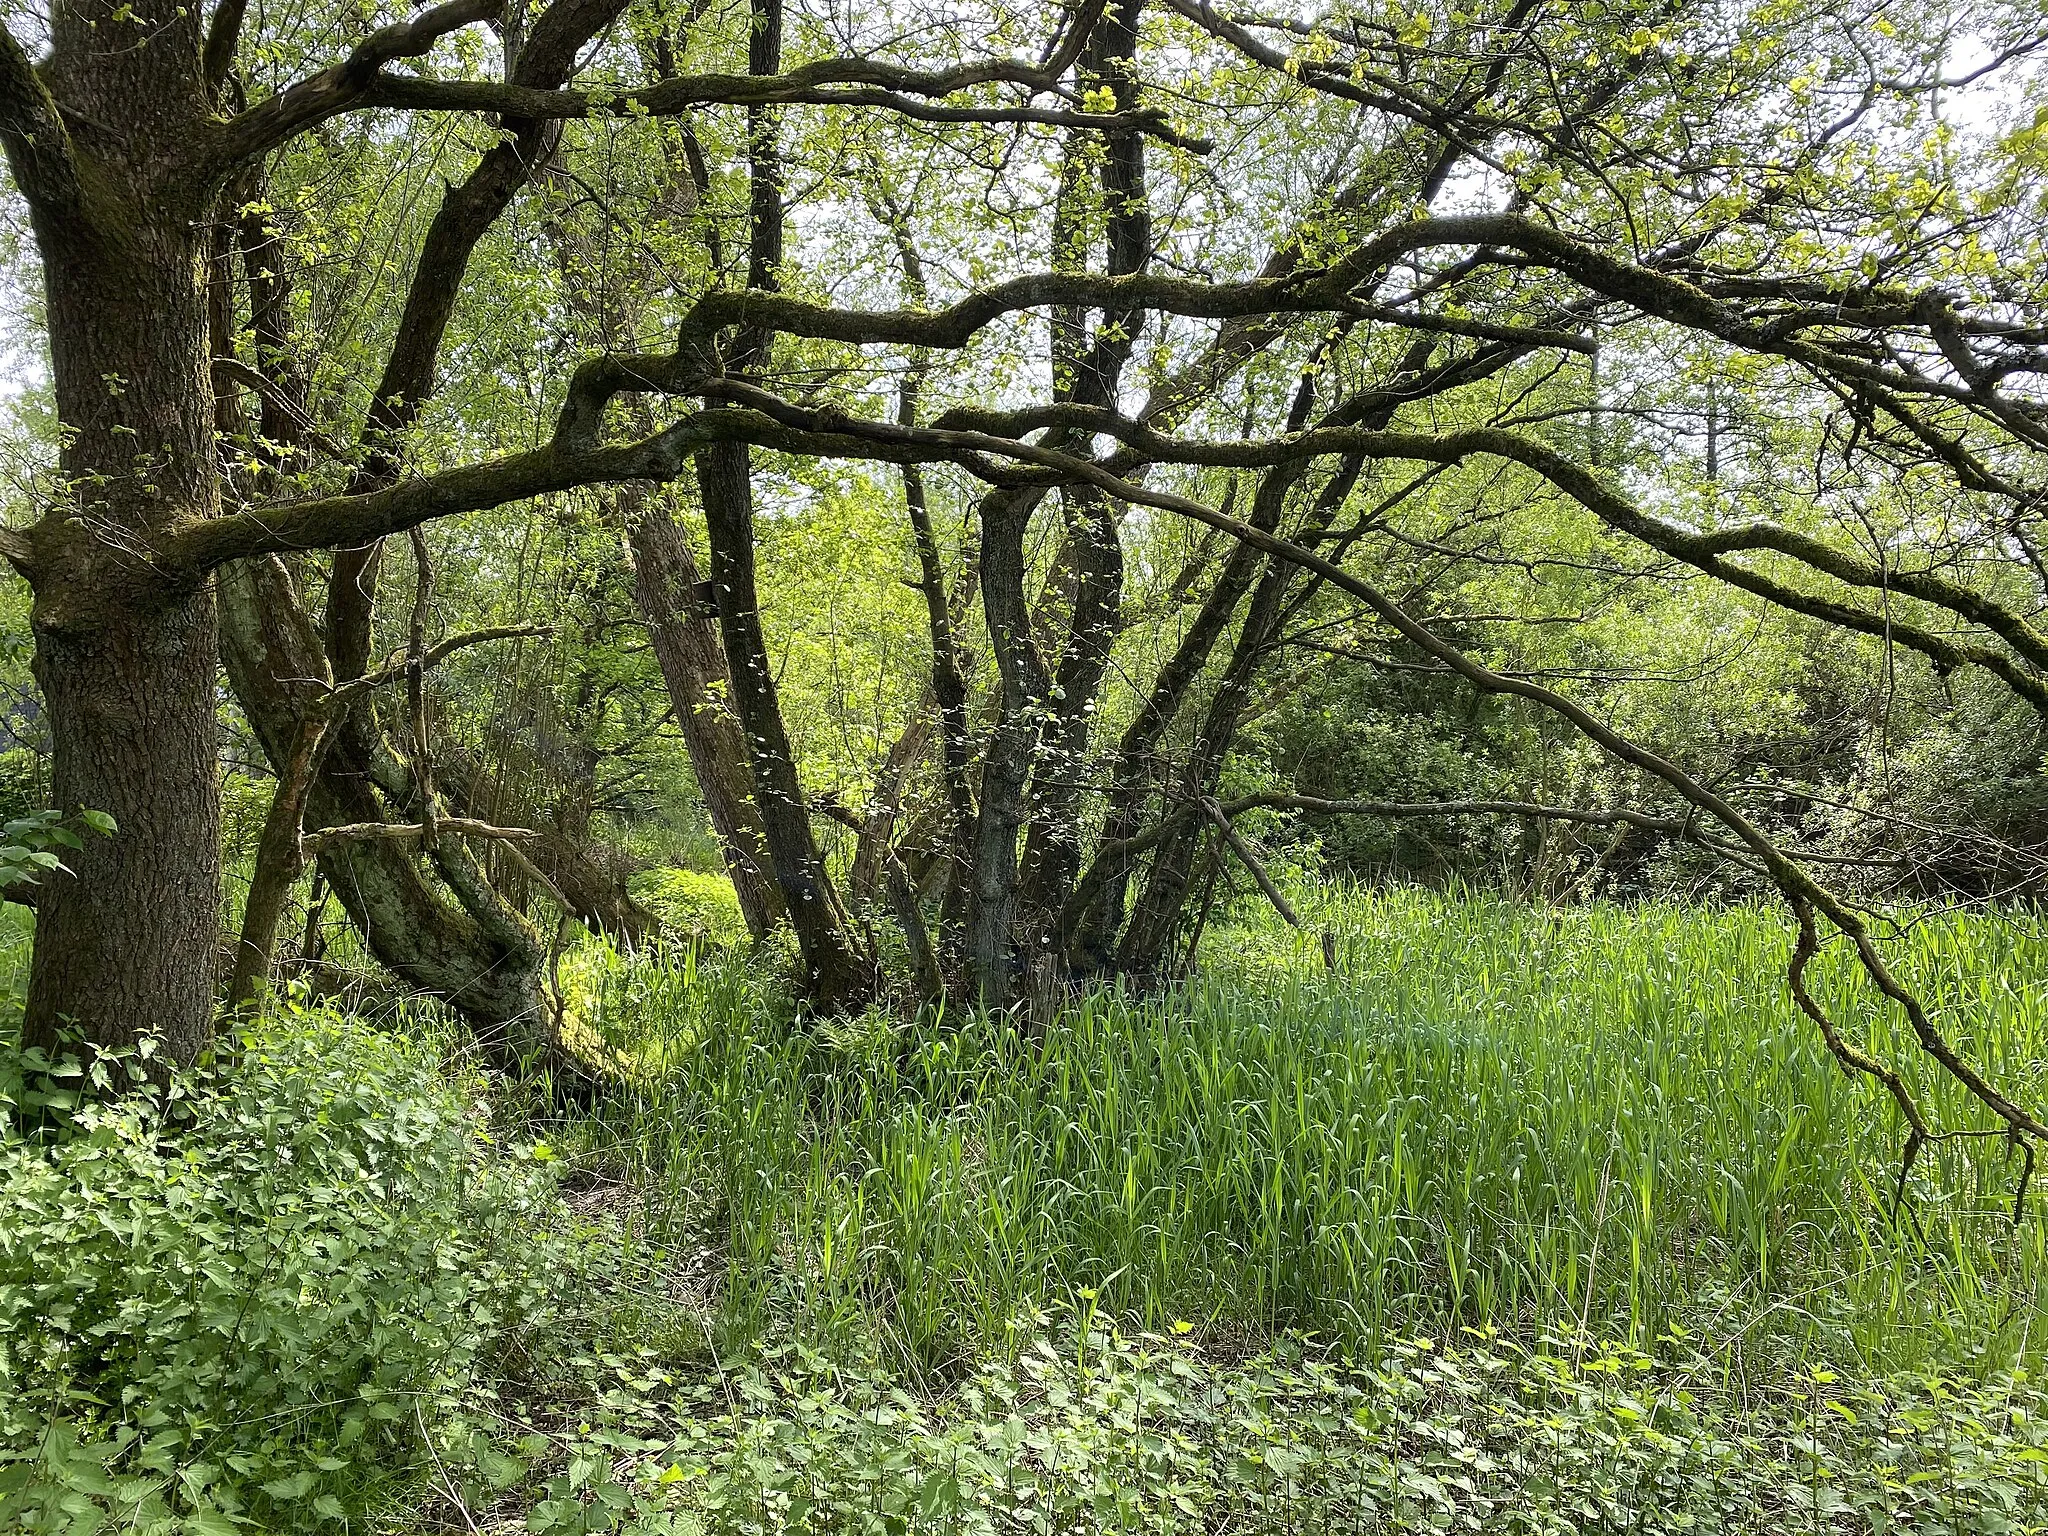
1521,1220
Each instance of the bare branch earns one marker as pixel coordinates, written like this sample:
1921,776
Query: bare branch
407,832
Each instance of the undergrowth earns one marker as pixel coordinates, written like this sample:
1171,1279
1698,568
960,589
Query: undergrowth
1090,1429
1490,1116
1134,1264
268,1300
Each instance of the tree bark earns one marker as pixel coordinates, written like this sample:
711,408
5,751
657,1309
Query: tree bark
126,943
1052,851
125,652
280,859
669,591
838,976
987,951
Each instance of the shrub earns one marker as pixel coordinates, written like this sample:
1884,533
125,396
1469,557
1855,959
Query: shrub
267,1303
691,904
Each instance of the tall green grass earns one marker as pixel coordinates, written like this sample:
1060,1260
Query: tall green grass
1491,1117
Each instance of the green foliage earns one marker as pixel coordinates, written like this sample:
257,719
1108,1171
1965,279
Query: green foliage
1092,1429
692,904
1357,735
1494,1114
262,1314
28,843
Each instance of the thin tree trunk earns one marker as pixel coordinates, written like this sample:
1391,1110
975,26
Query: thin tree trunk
949,678
671,597
1157,913
1134,779
280,860
838,976
987,952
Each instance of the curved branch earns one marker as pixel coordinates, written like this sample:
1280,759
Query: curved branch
1705,551
331,521
689,93
358,83
291,111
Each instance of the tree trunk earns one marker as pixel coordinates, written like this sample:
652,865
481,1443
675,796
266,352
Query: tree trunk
126,944
949,693
667,587
1159,908
486,963
1052,851
1092,944
280,859
1006,764
125,652
838,977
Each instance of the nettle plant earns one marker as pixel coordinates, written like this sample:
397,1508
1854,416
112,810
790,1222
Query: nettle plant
296,1313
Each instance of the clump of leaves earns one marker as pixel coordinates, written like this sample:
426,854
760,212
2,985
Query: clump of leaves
1092,1429
28,843
300,1296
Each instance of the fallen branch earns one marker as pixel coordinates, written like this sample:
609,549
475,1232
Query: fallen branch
1250,860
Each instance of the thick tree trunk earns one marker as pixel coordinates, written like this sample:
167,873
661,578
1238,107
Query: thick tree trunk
126,944
668,589
125,652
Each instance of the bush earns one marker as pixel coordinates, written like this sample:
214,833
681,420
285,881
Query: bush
691,904
269,1304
